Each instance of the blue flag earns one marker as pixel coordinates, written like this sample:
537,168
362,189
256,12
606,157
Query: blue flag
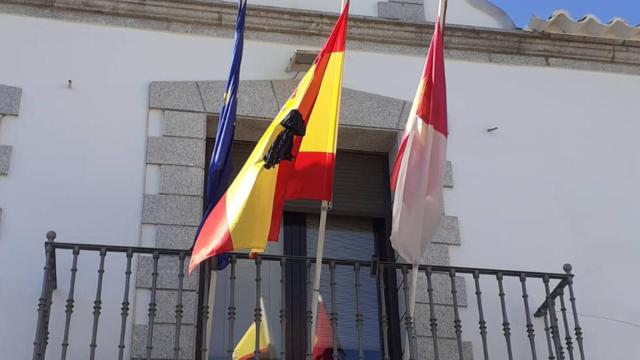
220,167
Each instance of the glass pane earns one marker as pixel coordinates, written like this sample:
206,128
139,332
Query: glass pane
349,238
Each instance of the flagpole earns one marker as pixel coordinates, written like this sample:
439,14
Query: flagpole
319,255
324,208
442,12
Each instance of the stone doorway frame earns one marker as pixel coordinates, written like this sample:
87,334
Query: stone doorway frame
179,112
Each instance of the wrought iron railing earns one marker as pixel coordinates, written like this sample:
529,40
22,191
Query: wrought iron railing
562,332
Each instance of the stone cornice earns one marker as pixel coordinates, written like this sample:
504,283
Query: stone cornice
365,33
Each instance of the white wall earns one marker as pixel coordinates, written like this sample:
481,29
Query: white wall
556,183
79,155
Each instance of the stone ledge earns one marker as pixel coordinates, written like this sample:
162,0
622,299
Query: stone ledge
5,159
10,100
175,237
166,301
163,337
449,232
448,349
406,110
261,99
444,316
359,108
175,151
181,180
171,210
436,254
448,175
185,124
256,98
175,95
441,290
310,28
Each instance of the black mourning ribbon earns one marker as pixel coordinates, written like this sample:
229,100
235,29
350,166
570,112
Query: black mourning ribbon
281,148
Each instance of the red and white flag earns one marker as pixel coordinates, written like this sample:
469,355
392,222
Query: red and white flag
419,168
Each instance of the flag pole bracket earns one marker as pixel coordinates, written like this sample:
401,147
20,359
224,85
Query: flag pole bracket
375,263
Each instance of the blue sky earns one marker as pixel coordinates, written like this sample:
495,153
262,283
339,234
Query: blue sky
522,10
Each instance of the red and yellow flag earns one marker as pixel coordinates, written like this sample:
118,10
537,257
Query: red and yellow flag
293,160
245,349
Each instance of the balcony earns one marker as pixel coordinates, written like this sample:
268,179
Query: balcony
462,313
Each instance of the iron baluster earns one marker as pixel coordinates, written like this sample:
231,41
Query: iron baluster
547,331
52,285
44,301
481,322
310,332
506,328
408,319
433,321
359,316
97,305
152,304
567,269
124,310
530,331
555,331
563,310
179,306
70,302
47,315
553,320
384,320
232,306
283,307
456,314
258,310
204,310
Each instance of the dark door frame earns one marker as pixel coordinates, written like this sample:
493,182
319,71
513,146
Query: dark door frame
295,244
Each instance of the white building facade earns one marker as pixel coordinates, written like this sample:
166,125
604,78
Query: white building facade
108,109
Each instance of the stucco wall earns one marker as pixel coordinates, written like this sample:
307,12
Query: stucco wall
79,156
556,183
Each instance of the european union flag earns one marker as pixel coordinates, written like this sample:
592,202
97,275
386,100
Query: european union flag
220,168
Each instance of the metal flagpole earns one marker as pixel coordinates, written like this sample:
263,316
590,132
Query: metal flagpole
324,208
442,11
212,295
317,274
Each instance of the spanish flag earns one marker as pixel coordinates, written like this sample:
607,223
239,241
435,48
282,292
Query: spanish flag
293,160
245,348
